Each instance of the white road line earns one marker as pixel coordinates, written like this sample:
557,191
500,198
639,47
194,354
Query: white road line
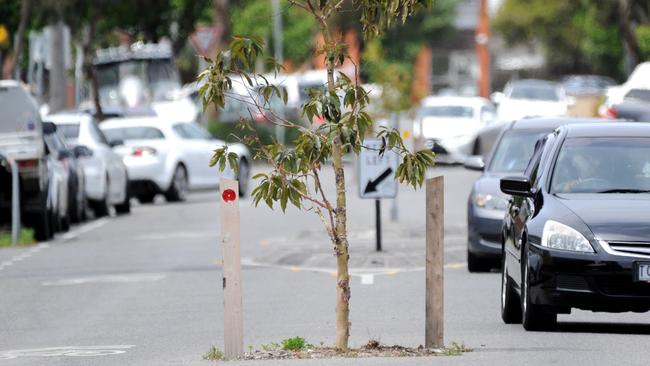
19,257
73,234
367,279
75,351
126,278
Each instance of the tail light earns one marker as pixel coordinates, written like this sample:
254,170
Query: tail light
260,117
143,151
27,164
611,112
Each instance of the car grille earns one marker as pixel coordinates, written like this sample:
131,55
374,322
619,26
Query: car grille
572,283
622,286
631,248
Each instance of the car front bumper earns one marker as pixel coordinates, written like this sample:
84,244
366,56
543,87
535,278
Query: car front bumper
597,282
484,232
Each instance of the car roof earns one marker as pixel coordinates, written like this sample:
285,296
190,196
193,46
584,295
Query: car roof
63,118
533,82
468,101
551,123
621,129
137,122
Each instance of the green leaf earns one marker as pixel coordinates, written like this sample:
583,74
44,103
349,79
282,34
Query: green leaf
233,162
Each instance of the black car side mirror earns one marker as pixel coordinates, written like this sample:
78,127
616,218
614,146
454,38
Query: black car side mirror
475,162
516,186
114,143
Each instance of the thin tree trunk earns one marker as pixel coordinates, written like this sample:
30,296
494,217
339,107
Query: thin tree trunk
629,38
340,230
89,70
20,35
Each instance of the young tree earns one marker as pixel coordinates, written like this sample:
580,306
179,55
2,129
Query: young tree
296,172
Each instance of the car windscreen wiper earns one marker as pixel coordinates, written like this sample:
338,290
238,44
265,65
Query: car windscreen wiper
625,190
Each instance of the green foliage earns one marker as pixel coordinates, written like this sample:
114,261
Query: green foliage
255,18
25,237
293,344
455,349
643,37
213,354
577,36
271,347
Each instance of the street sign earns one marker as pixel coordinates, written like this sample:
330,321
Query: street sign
205,40
377,171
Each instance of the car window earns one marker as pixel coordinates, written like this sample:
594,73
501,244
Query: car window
69,130
191,131
133,133
446,111
19,111
97,134
641,95
532,170
514,151
547,93
602,165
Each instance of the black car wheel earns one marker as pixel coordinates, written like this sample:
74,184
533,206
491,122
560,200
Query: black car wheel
475,264
510,300
534,317
178,189
41,220
124,207
243,177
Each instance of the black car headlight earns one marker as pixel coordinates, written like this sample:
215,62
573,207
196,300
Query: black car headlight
490,202
563,237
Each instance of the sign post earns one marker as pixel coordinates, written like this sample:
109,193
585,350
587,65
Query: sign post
233,314
433,333
376,171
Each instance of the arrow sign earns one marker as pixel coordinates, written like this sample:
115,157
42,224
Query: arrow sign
372,184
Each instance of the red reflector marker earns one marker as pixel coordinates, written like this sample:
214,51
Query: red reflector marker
229,195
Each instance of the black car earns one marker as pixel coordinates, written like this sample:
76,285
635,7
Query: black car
486,205
577,233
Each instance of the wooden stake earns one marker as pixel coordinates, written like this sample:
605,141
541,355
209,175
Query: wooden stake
434,335
233,314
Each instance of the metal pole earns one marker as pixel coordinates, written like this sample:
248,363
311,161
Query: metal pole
279,53
394,211
378,223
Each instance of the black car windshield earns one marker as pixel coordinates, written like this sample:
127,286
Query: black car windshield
454,111
133,133
547,93
603,165
514,151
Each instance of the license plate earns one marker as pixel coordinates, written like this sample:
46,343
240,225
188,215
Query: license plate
642,272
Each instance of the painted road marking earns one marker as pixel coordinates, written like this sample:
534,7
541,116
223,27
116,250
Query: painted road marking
129,278
73,234
80,351
177,235
354,272
22,256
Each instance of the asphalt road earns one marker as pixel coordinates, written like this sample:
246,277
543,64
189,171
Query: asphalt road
146,290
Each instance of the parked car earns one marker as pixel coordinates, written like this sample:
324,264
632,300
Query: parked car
170,157
587,84
576,232
21,139
530,98
486,205
59,181
105,173
638,79
449,125
634,107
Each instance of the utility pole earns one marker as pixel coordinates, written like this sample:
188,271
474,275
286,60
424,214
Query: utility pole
483,49
58,97
277,31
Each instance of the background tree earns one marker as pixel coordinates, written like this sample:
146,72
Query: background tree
296,173
584,36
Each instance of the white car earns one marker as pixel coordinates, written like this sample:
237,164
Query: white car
530,98
105,173
448,125
170,157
